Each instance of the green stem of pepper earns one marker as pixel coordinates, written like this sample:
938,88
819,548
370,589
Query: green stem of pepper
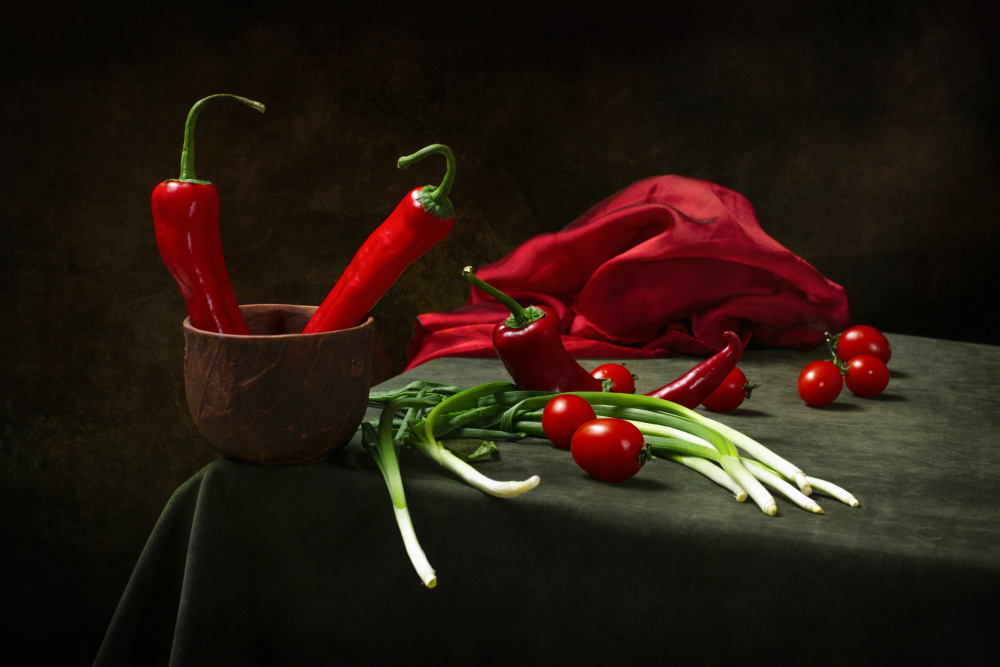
434,200
187,152
520,317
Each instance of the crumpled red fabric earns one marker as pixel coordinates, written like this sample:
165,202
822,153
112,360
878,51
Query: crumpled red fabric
662,268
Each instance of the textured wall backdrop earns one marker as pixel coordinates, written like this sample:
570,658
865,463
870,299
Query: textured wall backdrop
863,132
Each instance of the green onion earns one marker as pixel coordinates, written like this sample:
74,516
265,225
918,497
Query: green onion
411,390
430,447
772,479
738,471
833,490
487,434
711,471
690,451
501,411
761,453
412,411
446,459
382,447
446,423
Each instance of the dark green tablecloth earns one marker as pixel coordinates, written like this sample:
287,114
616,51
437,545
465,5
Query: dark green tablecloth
305,566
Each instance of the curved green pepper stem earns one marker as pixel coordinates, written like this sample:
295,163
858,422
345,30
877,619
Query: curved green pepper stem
187,153
434,200
519,317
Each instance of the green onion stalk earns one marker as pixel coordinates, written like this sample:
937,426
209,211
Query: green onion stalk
770,478
764,474
443,414
833,491
709,470
456,414
382,446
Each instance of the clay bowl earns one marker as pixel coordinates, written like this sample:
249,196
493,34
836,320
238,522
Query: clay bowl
278,397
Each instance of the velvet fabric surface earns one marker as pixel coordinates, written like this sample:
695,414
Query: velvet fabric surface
305,565
664,267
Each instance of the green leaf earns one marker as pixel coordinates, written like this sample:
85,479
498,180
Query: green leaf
486,448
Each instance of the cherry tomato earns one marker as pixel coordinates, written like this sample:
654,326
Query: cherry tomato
622,380
867,375
820,383
863,339
562,415
731,393
612,450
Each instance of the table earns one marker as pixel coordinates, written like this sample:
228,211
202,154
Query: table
300,566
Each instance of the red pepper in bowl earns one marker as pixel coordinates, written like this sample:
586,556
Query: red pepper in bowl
692,388
420,221
529,343
186,221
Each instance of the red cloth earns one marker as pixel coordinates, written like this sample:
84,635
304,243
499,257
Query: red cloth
661,268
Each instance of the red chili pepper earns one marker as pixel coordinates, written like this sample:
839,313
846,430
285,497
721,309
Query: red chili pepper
692,388
529,343
420,221
186,221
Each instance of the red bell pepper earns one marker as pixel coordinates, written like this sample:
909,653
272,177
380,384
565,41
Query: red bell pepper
529,343
422,219
186,221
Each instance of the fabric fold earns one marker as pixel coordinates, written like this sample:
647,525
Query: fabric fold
661,268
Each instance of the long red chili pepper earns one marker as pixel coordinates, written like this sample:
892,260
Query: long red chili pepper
529,344
698,384
421,220
186,221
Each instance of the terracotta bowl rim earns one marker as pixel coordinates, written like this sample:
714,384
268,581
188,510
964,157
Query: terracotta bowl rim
188,327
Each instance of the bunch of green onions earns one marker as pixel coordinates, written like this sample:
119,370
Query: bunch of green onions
427,415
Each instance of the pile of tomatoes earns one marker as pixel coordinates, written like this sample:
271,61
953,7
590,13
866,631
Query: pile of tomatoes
612,449
607,448
860,357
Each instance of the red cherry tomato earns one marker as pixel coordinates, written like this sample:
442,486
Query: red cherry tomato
863,339
562,415
731,393
820,383
867,375
612,450
622,380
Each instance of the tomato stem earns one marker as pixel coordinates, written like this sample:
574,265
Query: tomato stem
749,387
831,342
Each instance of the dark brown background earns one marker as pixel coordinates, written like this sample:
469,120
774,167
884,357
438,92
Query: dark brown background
862,132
